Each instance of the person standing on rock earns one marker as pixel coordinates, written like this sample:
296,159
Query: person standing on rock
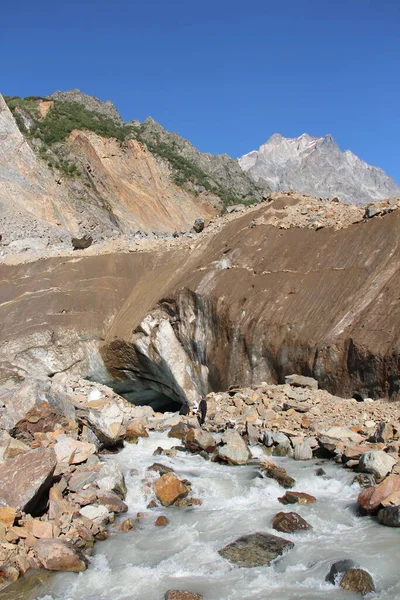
202,410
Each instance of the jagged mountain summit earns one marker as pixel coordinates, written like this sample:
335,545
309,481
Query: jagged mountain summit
317,166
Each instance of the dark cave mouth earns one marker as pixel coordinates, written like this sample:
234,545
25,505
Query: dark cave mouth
140,395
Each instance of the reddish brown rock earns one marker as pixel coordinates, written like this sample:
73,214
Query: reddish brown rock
297,497
135,430
7,516
179,431
41,419
161,521
181,595
370,498
289,522
57,555
169,488
25,480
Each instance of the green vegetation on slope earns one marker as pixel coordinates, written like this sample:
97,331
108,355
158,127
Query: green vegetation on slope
185,171
64,117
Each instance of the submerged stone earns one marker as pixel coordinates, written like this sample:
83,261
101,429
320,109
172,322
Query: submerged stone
255,550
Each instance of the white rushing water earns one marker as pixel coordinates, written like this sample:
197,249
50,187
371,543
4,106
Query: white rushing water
146,562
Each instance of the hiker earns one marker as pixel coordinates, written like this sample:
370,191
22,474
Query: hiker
184,409
202,410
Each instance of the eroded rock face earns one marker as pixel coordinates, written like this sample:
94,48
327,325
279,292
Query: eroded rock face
255,550
24,480
212,324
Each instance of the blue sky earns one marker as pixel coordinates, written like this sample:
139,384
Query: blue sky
224,74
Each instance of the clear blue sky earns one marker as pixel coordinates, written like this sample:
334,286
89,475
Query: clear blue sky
222,73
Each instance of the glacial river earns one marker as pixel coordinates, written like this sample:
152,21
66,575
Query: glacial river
145,562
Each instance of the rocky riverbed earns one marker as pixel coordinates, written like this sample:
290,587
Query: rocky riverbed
223,511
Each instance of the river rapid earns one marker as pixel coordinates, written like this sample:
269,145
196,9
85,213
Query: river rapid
146,562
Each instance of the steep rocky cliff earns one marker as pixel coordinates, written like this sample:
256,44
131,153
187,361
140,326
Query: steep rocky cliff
56,181
317,166
246,303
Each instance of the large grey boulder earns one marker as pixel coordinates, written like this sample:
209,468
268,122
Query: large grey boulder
26,479
234,450
389,516
255,550
377,462
302,451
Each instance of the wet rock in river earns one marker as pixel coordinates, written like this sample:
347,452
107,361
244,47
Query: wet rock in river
389,516
134,430
357,580
271,470
182,595
289,522
179,431
255,550
161,521
160,468
168,489
297,497
370,498
339,568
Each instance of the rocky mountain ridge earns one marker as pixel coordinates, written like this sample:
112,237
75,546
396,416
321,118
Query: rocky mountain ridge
318,167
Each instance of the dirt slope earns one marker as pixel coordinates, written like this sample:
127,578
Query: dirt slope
252,302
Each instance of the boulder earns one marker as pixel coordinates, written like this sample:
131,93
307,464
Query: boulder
302,451
370,498
235,208
134,430
357,580
82,243
161,521
377,462
179,431
199,224
98,514
372,210
57,555
26,479
301,381
20,399
297,498
198,439
271,470
111,479
234,450
7,516
42,418
344,435
106,418
111,501
168,488
181,595
10,447
289,522
72,452
339,568
389,516
255,550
